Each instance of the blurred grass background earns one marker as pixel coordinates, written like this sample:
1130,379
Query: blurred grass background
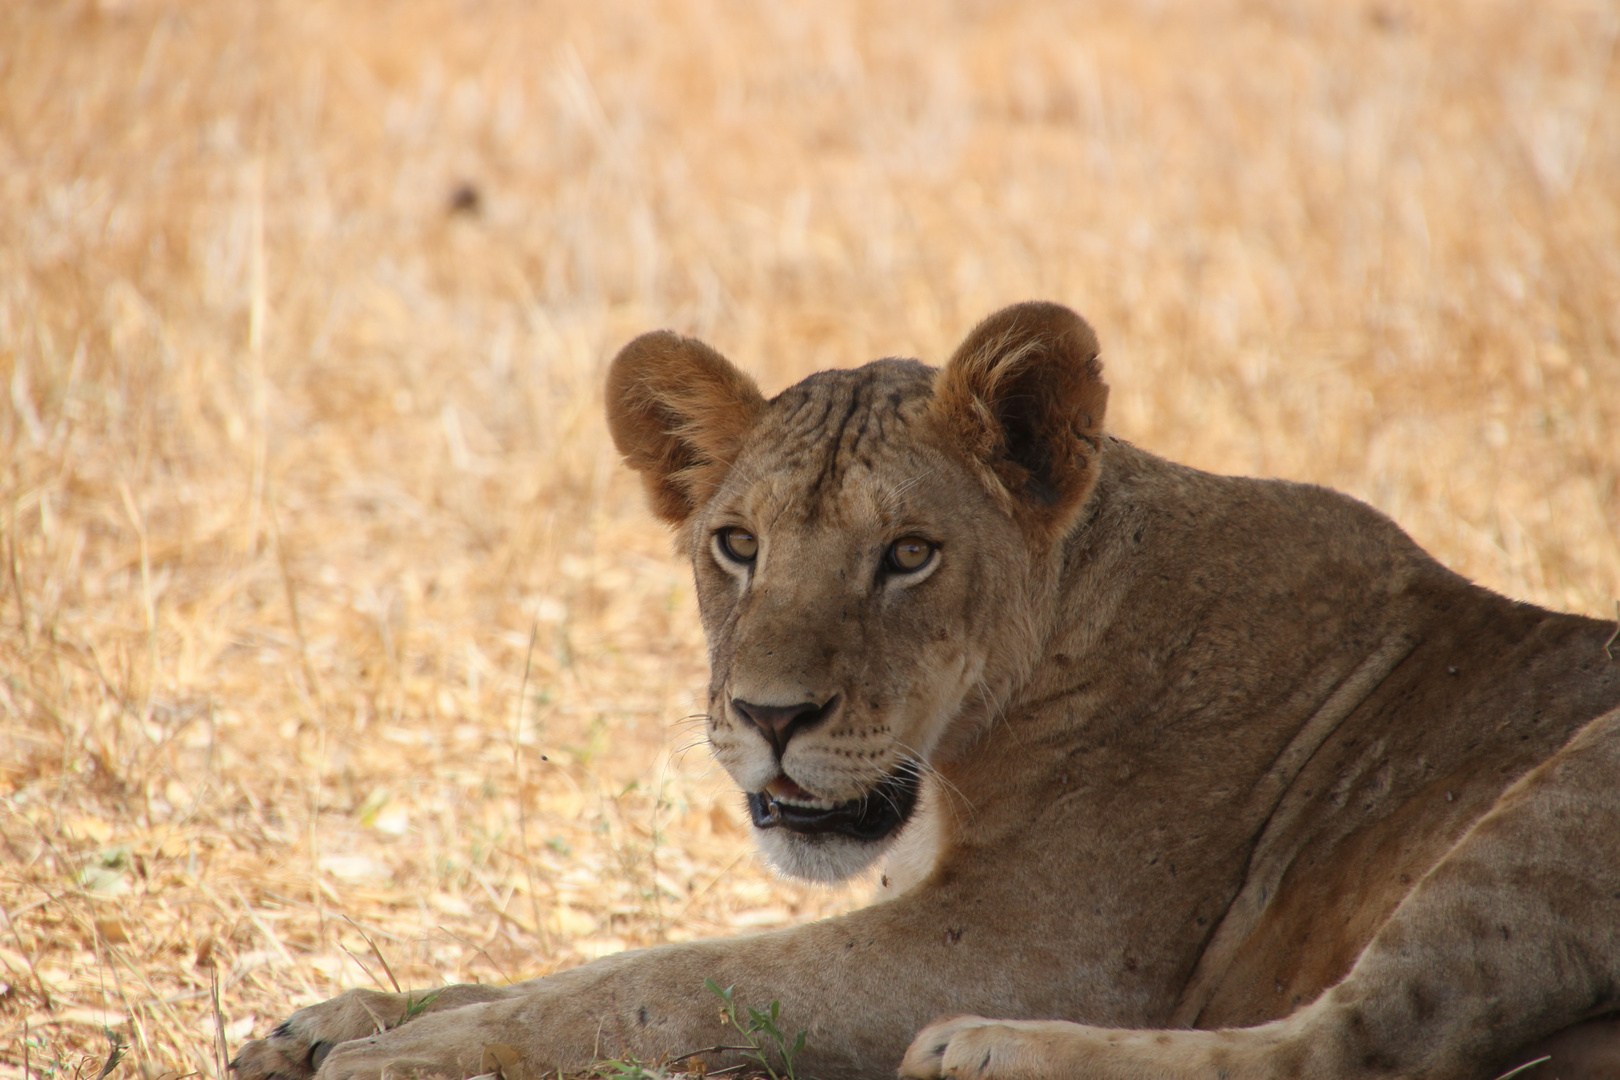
303,312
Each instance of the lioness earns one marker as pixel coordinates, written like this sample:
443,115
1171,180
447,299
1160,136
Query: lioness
1187,776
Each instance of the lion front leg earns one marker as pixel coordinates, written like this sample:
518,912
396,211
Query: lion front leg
1512,937
645,1004
301,1044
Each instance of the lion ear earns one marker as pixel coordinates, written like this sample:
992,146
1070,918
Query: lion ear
1024,396
679,412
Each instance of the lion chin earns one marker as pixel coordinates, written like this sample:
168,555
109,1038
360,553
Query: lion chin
828,842
827,858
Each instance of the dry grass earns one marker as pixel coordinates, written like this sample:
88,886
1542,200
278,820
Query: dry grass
296,458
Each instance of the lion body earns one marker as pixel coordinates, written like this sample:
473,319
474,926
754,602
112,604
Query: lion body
1169,752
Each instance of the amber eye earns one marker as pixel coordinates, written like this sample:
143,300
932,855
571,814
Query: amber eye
908,554
740,545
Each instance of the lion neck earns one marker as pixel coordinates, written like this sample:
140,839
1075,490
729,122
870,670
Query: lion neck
1190,608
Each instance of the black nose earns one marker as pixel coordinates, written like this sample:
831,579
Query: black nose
779,723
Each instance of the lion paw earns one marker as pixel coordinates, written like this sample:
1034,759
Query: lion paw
307,1040
973,1048
936,1051
300,1044
455,1043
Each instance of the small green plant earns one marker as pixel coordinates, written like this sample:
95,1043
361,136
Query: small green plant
630,1069
767,1024
415,1006
117,1045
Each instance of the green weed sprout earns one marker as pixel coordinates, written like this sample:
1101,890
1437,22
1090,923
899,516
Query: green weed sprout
766,1024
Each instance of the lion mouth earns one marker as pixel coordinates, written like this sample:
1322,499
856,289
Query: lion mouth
872,816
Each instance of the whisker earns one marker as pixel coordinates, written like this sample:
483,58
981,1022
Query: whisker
998,714
686,748
891,497
953,794
689,721
950,790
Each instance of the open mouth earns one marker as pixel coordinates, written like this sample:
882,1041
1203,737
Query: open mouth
873,816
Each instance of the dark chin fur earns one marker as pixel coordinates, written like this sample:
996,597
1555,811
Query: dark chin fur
831,845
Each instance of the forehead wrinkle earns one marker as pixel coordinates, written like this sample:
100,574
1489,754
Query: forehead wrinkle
821,430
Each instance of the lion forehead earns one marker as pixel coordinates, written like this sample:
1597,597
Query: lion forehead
818,435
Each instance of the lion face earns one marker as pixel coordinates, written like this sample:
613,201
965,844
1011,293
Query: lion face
850,589
875,551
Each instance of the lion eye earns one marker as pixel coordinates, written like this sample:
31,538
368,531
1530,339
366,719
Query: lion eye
909,554
740,545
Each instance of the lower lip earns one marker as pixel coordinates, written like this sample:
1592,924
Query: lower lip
872,817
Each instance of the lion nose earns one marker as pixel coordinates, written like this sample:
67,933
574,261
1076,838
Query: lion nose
779,723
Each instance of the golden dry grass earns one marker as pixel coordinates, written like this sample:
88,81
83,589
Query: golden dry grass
296,458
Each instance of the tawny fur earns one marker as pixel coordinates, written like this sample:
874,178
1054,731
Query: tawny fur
1227,778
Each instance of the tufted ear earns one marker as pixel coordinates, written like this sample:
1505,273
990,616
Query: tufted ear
1024,397
679,412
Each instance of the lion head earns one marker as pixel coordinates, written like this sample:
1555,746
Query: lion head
876,554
